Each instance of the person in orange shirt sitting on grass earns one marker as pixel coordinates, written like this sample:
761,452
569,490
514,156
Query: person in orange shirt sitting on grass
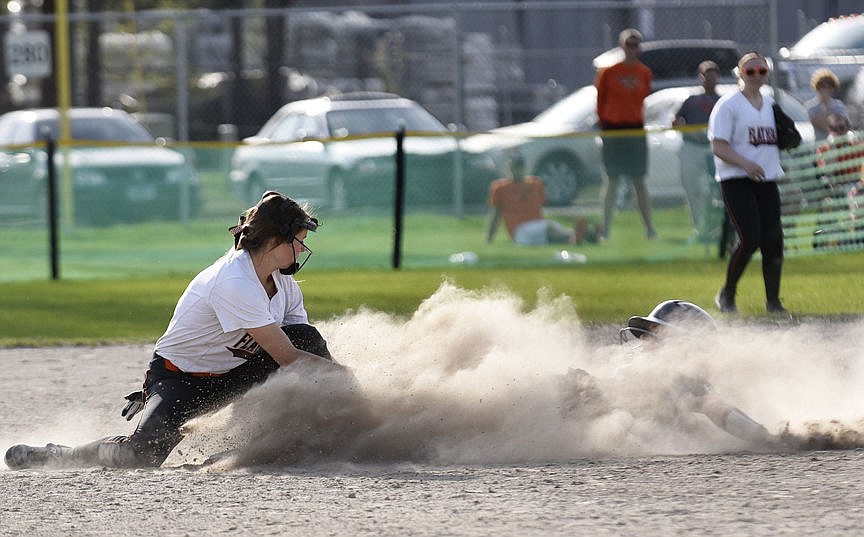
519,200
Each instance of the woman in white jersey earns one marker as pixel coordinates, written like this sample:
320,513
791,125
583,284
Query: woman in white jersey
238,321
744,142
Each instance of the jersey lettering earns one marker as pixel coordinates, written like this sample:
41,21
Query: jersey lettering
762,135
245,348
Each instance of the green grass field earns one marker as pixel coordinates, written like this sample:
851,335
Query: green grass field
120,283
96,311
344,241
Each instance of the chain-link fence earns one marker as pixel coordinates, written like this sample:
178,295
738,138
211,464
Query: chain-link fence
823,197
128,207
478,65
161,215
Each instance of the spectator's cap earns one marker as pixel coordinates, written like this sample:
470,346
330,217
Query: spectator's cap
629,33
708,65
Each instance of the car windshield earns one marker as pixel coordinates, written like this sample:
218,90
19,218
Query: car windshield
838,35
682,62
96,128
577,111
342,123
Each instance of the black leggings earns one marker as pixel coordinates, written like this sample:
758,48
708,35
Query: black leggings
174,397
754,209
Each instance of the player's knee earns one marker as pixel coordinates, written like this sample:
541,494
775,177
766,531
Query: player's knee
748,241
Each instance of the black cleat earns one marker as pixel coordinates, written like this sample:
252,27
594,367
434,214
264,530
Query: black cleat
22,456
774,306
724,302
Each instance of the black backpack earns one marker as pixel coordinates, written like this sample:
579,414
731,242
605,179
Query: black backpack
788,136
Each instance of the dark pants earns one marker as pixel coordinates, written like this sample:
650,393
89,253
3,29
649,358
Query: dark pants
754,210
173,397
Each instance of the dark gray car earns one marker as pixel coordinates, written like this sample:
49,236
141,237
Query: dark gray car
674,62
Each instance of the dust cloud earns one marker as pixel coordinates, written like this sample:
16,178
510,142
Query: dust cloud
477,377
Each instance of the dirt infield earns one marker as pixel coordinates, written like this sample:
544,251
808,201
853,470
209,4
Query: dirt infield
456,427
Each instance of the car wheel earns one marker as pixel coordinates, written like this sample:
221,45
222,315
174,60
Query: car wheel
338,192
560,174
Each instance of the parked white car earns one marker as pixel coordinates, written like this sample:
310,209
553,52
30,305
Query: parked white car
563,147
339,152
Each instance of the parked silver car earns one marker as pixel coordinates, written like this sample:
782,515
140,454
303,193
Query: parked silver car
339,152
133,180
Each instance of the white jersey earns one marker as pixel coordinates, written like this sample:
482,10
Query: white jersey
751,133
208,331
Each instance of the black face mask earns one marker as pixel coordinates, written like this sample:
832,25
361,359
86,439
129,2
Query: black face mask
292,269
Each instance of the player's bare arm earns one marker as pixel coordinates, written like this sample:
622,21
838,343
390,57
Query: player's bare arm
273,340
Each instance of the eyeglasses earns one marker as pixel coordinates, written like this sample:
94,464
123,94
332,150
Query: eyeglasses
306,249
762,71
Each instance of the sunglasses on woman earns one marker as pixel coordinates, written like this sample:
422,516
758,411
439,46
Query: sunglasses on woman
762,71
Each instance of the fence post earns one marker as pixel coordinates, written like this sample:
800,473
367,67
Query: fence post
399,198
227,133
459,114
53,224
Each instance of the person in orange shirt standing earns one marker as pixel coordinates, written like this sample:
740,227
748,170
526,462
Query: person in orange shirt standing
621,89
519,201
